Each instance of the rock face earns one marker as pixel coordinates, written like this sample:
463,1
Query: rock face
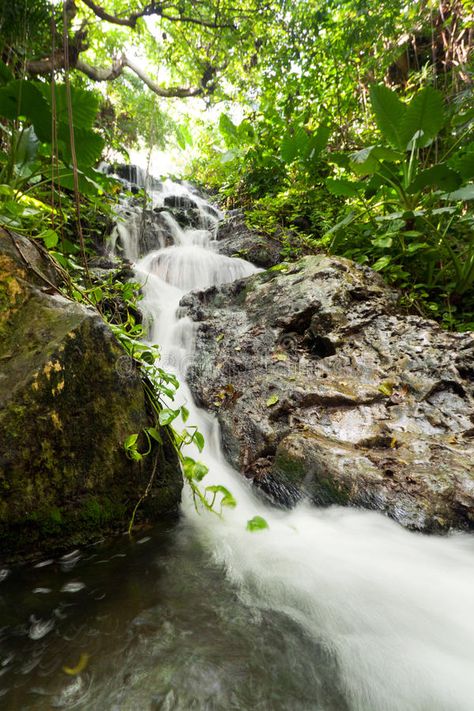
68,398
324,390
235,239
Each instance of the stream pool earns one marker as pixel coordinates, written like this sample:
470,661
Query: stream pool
156,625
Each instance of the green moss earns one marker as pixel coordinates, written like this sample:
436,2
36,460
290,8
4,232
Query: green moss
300,464
64,414
325,491
97,512
289,466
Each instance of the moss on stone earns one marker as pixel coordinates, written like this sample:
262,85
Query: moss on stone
65,412
299,462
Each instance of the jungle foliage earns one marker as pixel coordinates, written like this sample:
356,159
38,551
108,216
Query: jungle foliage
357,137
353,130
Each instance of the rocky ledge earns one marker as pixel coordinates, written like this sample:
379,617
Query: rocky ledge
235,239
69,396
324,390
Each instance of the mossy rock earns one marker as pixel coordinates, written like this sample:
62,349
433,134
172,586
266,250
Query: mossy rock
67,403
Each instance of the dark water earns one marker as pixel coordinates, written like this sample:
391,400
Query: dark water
154,625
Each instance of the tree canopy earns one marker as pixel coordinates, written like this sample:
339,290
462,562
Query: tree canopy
194,42
342,124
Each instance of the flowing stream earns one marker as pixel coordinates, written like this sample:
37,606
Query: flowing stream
333,609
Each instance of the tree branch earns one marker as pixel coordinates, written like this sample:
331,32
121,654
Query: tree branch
179,91
45,66
152,9
197,21
130,21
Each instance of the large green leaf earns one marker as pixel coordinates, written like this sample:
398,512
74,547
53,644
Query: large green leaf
21,98
463,162
26,152
317,142
463,118
367,160
424,118
464,193
228,129
84,104
5,73
439,176
342,188
295,144
246,131
89,145
389,114
64,177
183,136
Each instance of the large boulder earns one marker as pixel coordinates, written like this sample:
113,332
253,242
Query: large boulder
324,389
69,397
235,239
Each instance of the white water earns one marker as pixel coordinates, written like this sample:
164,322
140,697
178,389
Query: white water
395,608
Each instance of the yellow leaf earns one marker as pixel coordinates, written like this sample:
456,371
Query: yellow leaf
80,666
386,388
272,400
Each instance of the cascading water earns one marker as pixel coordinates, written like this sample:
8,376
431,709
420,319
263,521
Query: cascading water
391,607
327,610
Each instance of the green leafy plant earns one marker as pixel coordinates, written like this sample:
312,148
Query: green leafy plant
406,198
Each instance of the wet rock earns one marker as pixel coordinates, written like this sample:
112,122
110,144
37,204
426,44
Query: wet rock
133,177
69,397
193,217
237,240
184,202
147,230
105,262
324,390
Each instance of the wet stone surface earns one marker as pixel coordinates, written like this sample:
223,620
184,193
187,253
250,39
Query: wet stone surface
323,389
235,239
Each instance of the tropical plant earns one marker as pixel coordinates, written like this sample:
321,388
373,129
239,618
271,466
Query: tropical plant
407,194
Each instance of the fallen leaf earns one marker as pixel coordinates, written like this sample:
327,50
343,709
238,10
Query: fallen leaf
386,388
80,666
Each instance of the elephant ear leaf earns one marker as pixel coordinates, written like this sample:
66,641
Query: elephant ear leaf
390,113
5,73
23,99
424,118
294,144
438,176
26,152
84,104
463,162
89,145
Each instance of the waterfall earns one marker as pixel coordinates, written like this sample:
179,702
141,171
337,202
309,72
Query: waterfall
393,607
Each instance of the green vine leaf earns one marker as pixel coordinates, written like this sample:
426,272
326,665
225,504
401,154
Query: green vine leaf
257,523
199,440
167,416
227,498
